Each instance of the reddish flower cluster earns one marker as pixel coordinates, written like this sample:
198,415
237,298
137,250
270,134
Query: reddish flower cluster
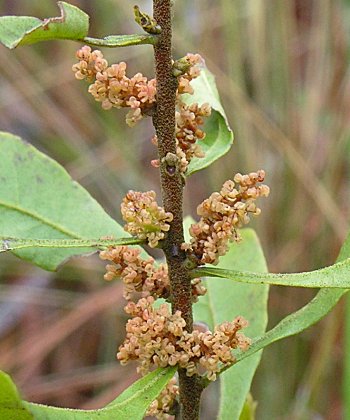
155,337
112,87
194,62
137,274
222,213
141,275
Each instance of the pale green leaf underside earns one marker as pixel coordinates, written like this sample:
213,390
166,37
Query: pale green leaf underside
219,136
334,276
39,200
72,24
131,404
223,302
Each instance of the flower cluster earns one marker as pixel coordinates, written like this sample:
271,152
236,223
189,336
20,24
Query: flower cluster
160,408
222,213
193,63
140,275
155,337
188,120
137,274
144,218
112,87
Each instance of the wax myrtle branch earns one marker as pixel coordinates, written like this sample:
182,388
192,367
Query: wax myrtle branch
156,336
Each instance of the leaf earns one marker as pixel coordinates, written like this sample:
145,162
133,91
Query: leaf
249,409
11,406
131,404
11,244
219,136
113,41
302,319
72,24
334,276
39,200
223,302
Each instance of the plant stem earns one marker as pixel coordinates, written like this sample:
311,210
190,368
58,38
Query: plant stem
172,194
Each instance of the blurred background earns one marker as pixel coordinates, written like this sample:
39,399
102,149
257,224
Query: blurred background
282,71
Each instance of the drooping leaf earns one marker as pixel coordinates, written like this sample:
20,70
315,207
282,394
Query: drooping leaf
334,276
223,302
219,136
39,200
12,244
72,24
11,406
131,404
305,317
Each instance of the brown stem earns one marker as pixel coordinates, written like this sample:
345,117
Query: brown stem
172,194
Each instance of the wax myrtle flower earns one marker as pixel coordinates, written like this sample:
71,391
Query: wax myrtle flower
222,214
144,218
192,70
113,88
138,275
90,63
161,407
141,275
157,338
188,120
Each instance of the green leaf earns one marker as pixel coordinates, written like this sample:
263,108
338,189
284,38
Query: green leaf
113,41
302,319
39,200
131,404
248,412
11,406
223,302
12,244
219,136
334,276
72,24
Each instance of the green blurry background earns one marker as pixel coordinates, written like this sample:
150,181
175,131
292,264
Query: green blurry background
282,71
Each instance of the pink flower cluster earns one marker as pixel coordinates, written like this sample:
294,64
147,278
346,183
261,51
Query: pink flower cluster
222,213
140,275
155,337
112,87
161,407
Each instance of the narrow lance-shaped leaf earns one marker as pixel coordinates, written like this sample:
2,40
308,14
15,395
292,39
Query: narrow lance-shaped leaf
334,276
131,404
39,200
302,319
12,244
223,302
72,24
219,136
113,41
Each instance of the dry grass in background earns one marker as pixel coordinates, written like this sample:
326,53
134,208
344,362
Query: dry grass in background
282,69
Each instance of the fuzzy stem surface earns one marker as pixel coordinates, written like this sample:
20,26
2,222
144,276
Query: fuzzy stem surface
172,196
